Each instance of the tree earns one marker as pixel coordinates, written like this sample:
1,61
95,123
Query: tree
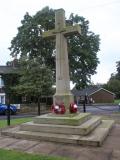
82,49
118,70
35,81
114,82
114,86
10,80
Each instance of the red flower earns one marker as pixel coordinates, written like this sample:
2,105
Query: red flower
63,110
73,108
58,109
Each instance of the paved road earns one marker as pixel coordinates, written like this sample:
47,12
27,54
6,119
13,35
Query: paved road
101,109
105,110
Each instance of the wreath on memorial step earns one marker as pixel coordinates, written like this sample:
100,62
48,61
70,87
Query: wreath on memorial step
58,109
73,108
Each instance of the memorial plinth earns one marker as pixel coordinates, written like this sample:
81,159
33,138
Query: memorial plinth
81,129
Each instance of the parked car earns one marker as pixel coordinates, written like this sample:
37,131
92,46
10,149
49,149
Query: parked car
3,109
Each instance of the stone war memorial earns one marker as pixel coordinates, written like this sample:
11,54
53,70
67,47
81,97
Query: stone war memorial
65,124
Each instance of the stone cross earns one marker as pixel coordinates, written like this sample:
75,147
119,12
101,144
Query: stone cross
63,93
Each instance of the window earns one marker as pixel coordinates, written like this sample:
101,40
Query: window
1,82
2,99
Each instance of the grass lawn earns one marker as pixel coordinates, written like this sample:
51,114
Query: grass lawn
3,123
116,101
14,155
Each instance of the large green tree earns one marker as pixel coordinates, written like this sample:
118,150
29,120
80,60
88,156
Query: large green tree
114,82
82,49
35,81
118,70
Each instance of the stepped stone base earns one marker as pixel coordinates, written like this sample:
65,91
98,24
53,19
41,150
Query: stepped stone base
83,129
80,129
70,119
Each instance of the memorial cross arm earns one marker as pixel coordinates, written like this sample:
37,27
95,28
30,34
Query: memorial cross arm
49,34
71,30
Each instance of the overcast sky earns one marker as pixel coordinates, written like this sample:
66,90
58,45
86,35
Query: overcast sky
103,15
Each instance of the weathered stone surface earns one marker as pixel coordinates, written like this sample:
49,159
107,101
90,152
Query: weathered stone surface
22,145
94,139
112,143
116,131
108,151
80,153
5,142
69,30
83,129
97,137
44,148
71,119
73,152
116,154
94,154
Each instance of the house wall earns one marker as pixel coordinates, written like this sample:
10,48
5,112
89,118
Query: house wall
102,96
2,98
2,94
1,82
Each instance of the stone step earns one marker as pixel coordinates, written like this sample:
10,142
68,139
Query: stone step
82,129
95,138
71,119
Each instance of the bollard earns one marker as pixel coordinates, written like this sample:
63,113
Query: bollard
84,107
119,106
8,114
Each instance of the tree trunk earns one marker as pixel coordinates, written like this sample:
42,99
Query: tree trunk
39,105
8,109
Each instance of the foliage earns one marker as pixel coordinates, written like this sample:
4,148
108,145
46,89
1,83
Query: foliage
117,101
82,53
10,80
118,70
13,155
114,82
35,80
82,49
114,86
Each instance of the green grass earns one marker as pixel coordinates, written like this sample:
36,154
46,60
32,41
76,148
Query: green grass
14,155
116,101
3,123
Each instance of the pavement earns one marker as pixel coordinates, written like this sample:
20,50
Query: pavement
110,150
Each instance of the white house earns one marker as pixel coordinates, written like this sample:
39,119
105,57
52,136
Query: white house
2,93
4,70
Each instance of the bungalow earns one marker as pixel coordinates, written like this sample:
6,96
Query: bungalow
96,93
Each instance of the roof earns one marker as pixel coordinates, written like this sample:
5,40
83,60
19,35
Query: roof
7,69
88,91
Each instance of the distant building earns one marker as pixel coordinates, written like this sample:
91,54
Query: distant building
2,93
95,94
10,68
